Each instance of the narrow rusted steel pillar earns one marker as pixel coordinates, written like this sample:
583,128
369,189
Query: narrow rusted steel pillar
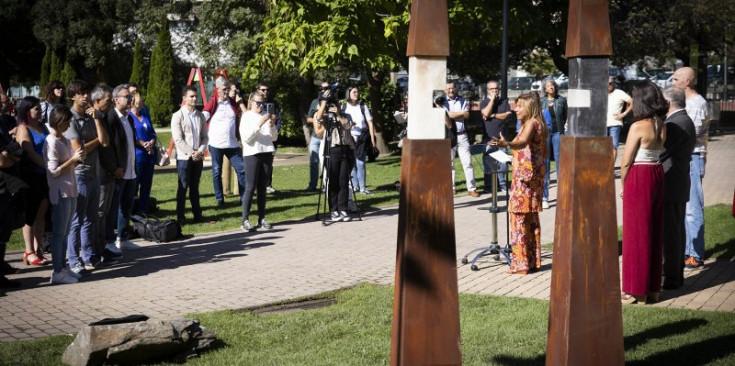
585,319
425,303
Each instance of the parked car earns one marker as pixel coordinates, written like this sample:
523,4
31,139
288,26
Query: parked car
663,79
402,83
561,80
520,83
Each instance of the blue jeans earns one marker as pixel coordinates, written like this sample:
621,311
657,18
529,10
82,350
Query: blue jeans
61,217
235,156
145,182
126,189
83,230
694,219
190,172
553,143
314,161
491,165
358,175
614,132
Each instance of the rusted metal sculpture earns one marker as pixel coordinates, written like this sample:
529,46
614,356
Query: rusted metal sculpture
585,319
425,306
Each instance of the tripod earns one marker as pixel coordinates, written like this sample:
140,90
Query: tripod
494,248
324,182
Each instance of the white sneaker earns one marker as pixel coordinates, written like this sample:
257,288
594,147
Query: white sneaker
545,204
62,277
114,249
344,216
71,273
124,244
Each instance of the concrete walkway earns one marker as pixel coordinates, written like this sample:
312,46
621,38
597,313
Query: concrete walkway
233,269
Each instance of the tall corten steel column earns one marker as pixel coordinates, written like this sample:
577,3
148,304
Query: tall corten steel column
425,303
585,320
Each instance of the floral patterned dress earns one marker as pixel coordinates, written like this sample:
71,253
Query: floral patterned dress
526,193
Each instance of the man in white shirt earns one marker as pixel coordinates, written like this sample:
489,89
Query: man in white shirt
122,201
458,111
221,112
189,132
615,113
696,107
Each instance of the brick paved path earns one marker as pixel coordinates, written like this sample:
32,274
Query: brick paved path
234,269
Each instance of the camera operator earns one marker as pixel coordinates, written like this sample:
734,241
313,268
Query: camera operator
341,152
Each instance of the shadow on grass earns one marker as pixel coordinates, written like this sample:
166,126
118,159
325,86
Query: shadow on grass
699,353
723,251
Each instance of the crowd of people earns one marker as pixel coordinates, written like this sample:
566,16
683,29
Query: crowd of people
88,158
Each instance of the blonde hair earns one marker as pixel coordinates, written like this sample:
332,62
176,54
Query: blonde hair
137,98
531,102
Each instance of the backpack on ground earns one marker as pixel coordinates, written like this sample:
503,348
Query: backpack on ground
153,229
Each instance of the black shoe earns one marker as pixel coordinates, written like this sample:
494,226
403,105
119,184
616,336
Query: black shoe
6,268
7,283
107,261
220,203
110,254
672,284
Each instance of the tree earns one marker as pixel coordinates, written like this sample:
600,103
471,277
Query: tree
160,94
136,76
46,68
68,74
318,36
56,67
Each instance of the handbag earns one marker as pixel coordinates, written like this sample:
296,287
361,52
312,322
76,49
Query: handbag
153,229
163,158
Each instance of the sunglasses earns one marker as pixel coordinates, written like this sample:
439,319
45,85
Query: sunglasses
260,104
263,89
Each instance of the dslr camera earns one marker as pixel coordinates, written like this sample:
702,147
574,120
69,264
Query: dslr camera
330,95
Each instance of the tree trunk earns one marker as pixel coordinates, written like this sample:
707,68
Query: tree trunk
307,89
375,82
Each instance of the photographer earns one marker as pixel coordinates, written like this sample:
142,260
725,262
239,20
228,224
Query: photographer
341,152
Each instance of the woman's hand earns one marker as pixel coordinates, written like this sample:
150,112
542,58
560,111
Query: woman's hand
79,155
499,142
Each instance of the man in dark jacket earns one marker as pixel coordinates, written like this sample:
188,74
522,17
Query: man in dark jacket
680,138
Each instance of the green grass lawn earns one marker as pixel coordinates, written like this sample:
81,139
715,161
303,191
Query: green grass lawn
494,331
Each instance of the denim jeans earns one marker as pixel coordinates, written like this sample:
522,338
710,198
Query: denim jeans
235,157
694,219
83,229
61,217
553,143
358,174
259,167
189,172
491,165
126,188
314,160
614,132
463,149
144,183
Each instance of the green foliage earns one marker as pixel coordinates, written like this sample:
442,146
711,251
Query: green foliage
160,95
68,74
45,68
136,76
56,67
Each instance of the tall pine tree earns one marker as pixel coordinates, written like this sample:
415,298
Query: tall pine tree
46,67
68,74
160,95
136,76
56,66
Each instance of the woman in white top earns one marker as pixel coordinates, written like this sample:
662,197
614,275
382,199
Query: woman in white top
257,131
643,196
363,132
60,161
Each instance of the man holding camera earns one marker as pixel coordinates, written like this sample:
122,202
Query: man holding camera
221,112
315,141
494,112
271,107
335,128
458,111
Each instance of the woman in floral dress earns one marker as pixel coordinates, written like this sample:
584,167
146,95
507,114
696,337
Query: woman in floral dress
526,190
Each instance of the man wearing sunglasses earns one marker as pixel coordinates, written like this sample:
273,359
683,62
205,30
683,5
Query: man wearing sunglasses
221,112
315,142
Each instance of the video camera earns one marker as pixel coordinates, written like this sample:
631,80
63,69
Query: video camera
330,95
